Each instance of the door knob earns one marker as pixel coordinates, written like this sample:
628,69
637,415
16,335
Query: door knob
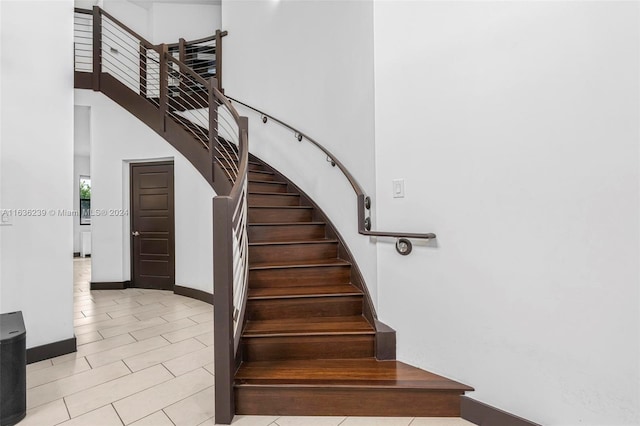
135,233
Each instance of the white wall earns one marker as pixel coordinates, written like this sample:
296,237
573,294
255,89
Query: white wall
81,165
515,125
117,139
171,21
310,64
36,166
163,22
132,15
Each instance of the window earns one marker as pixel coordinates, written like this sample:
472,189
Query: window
85,200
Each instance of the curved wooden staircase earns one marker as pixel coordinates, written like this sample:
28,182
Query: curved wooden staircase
310,342
307,347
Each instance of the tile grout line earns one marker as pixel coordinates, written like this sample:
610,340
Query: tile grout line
67,408
168,416
117,414
133,337
170,372
90,366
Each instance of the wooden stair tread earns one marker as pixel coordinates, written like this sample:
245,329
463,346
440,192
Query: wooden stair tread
308,326
364,372
270,182
282,207
286,223
306,291
300,264
284,243
280,194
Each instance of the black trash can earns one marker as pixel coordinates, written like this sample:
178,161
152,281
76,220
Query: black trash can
13,368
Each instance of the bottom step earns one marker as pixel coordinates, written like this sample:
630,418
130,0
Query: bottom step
352,387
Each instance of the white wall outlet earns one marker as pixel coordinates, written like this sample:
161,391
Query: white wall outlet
398,188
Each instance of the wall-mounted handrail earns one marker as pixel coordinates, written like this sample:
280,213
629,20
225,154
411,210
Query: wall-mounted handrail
364,202
300,135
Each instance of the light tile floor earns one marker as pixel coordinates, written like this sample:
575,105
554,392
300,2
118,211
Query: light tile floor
145,358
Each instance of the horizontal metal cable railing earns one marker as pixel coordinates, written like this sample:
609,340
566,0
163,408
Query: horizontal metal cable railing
83,41
185,101
203,56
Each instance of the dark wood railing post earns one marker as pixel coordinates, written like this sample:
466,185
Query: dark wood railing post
219,60
213,125
182,55
243,127
143,70
164,85
182,50
97,49
224,355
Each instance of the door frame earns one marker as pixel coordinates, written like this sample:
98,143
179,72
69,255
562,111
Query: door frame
142,163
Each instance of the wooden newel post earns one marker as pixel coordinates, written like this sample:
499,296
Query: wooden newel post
97,49
164,85
224,354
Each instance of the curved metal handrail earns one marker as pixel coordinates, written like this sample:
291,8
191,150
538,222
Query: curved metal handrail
300,135
364,202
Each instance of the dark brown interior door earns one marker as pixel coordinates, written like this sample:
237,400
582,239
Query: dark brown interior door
152,226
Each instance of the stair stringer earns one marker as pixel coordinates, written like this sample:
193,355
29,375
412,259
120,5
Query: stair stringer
166,127
385,337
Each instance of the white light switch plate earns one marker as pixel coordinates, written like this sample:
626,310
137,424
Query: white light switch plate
398,188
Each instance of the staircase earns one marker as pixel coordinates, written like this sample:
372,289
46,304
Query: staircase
307,346
295,328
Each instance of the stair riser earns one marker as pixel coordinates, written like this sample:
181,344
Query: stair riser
273,200
261,176
308,347
292,252
335,306
267,187
258,234
295,277
278,401
279,215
